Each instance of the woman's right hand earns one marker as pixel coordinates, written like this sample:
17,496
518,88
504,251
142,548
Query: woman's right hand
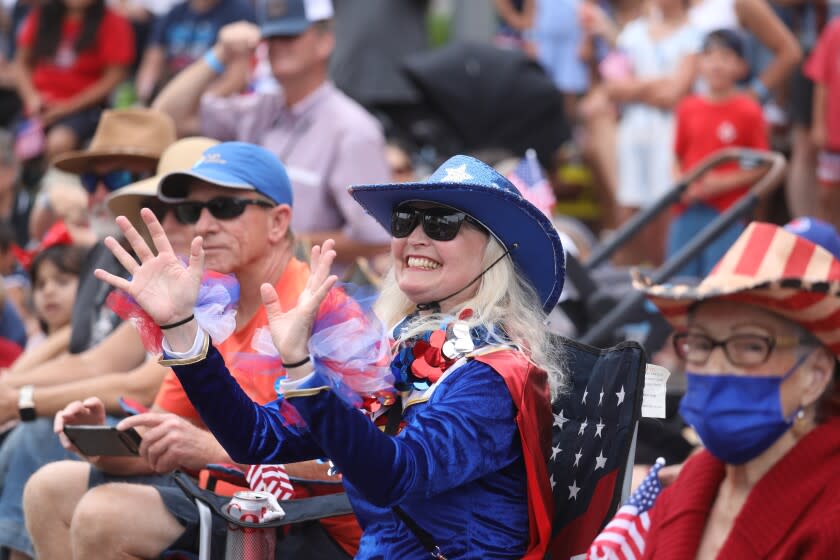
161,284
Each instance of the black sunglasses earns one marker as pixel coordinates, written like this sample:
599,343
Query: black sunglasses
439,222
160,209
112,180
221,208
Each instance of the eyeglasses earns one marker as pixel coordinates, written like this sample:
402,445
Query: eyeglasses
439,222
221,208
742,350
112,180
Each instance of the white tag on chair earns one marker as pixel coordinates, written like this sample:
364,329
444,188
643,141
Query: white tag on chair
653,397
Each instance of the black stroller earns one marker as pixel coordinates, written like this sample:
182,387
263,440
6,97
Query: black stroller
473,97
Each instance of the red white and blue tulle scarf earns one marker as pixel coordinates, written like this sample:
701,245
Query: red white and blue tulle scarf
350,348
215,310
355,353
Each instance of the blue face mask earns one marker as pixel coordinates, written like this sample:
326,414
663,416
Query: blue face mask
736,416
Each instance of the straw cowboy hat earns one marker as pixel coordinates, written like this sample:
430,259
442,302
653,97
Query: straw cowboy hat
132,134
769,267
181,155
473,187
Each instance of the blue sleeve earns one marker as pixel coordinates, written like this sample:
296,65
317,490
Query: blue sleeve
250,433
11,325
466,431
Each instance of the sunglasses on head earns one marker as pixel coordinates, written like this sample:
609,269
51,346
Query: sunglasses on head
112,180
440,223
221,208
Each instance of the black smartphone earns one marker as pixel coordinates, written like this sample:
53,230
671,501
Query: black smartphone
104,440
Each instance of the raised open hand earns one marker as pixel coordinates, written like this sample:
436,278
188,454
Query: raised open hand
161,284
291,330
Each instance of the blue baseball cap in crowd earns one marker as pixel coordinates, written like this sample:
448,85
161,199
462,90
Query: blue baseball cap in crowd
232,165
289,18
817,232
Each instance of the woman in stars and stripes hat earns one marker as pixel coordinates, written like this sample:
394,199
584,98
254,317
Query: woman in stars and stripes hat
760,336
461,471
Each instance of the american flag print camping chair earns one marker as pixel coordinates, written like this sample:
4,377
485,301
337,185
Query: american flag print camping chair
593,441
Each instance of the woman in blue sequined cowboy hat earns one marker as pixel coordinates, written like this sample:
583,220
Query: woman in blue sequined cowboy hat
460,469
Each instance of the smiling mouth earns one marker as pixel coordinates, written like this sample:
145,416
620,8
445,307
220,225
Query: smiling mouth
422,263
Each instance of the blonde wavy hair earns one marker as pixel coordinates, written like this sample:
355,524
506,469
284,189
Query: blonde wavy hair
504,298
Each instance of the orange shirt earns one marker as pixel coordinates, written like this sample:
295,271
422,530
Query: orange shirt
241,359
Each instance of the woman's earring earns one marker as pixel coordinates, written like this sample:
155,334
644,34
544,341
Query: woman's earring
799,427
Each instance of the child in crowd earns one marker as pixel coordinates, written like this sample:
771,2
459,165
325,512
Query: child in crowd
71,55
721,117
54,276
823,68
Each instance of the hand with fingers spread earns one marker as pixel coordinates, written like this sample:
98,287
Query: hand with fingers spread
291,330
170,442
161,284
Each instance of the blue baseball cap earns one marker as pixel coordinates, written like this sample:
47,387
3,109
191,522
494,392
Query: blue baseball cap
817,232
289,18
232,165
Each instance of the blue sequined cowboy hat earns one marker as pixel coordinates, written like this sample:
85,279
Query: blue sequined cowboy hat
472,186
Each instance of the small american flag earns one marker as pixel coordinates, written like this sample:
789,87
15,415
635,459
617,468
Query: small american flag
624,537
528,178
272,479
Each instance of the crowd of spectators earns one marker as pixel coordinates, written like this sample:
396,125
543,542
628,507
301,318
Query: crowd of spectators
100,100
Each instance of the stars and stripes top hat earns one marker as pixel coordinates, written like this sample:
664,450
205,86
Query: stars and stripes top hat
473,187
769,267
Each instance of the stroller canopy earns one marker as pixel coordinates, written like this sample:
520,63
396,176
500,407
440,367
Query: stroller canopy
491,97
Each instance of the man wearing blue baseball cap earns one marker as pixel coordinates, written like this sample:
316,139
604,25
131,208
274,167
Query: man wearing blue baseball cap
239,199
326,140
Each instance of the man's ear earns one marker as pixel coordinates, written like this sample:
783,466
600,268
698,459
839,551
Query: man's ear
820,371
280,222
325,45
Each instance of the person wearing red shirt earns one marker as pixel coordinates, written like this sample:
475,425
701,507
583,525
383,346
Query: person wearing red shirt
71,55
722,117
823,67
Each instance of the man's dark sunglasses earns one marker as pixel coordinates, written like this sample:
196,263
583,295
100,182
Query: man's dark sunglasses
112,180
439,222
221,208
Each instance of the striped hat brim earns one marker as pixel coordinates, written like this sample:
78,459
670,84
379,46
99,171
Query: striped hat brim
770,268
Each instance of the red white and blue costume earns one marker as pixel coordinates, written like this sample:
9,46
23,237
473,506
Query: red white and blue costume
469,464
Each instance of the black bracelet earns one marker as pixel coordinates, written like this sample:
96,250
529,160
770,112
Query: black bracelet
297,364
177,323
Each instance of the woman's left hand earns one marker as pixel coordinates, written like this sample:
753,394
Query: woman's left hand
291,330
